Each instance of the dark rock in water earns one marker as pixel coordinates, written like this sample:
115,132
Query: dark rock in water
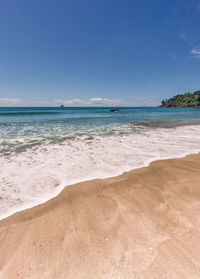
160,123
62,106
114,110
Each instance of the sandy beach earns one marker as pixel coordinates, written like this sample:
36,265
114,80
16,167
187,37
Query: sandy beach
140,225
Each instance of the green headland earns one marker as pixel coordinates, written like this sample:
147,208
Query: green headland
183,100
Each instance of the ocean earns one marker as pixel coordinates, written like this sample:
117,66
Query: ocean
42,150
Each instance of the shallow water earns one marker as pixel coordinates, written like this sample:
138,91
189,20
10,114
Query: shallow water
45,149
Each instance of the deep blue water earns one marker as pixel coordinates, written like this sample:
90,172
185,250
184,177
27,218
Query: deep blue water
19,126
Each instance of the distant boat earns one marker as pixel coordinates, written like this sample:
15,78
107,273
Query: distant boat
114,110
62,106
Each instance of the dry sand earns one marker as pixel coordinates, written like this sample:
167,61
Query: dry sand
142,224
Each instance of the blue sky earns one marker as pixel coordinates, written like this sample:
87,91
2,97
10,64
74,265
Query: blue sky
98,52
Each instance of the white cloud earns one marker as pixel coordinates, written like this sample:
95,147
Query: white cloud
105,101
89,102
185,37
41,103
70,102
96,101
10,101
195,52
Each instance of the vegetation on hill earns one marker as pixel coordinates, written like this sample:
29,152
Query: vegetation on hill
183,100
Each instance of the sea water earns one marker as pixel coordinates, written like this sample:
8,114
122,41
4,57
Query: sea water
42,150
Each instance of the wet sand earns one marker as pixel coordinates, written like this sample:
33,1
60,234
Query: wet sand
143,224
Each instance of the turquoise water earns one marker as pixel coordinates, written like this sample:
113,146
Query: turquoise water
27,126
42,150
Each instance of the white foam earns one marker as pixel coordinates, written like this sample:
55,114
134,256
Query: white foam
32,177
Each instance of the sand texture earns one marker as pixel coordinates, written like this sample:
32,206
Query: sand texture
143,224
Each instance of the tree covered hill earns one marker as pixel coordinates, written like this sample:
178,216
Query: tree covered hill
183,100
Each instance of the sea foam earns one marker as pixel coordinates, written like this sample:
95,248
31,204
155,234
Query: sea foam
39,173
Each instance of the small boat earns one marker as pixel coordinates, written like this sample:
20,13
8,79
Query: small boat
114,110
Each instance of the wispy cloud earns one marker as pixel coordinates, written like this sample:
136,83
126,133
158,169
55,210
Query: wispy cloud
42,103
195,52
186,38
10,101
96,101
182,35
89,102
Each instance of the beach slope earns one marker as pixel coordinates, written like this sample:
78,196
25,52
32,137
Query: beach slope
140,225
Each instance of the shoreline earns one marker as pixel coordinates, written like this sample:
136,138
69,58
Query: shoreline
141,224
63,186
39,174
